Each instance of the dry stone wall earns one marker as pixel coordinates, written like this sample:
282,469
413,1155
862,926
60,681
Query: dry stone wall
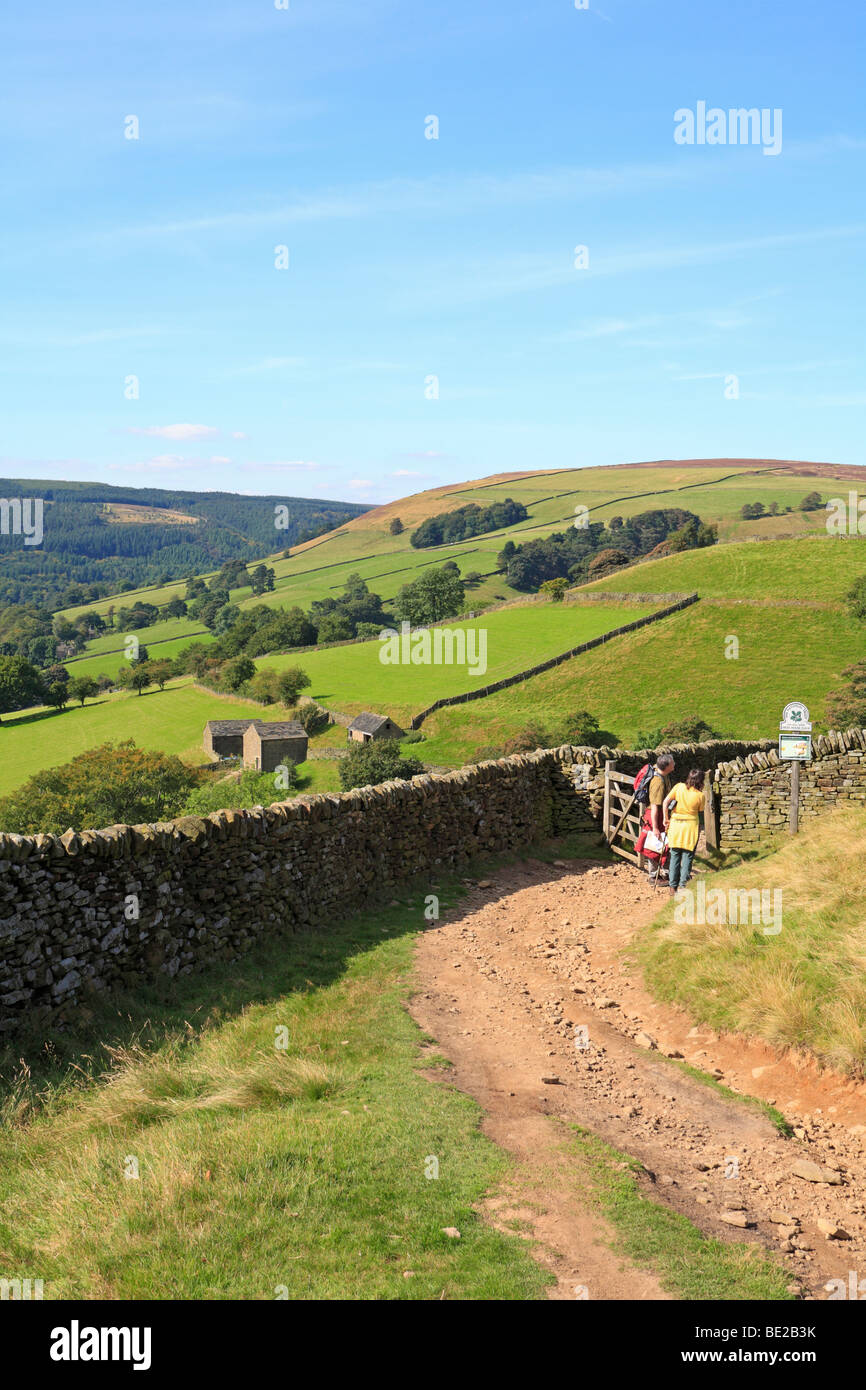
105,909
754,791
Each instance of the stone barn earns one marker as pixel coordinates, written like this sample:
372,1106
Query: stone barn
368,726
269,746
224,738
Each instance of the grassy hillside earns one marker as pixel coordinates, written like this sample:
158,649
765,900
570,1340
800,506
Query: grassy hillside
113,659
353,677
802,988
781,600
819,568
715,489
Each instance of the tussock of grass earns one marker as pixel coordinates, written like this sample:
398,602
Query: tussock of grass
804,988
146,1088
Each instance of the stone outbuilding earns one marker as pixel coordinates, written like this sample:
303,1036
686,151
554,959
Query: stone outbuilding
224,738
265,746
269,746
367,726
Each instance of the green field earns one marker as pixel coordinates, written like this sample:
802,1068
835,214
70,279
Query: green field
782,600
350,677
170,721
109,663
353,677
813,569
674,669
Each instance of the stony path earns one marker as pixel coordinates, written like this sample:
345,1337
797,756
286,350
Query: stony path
505,984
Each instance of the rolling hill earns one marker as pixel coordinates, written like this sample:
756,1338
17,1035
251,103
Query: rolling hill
782,598
97,534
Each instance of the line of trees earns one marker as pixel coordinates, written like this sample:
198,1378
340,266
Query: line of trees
464,522
594,550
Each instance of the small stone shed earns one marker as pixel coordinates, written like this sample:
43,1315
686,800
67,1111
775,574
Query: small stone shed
367,726
269,746
262,745
224,738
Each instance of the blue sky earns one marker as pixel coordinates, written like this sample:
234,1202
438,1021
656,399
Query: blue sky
412,258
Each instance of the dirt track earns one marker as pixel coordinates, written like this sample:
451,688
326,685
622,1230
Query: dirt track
506,980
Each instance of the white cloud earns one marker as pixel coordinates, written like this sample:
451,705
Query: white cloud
269,364
360,482
174,431
295,465
238,434
159,462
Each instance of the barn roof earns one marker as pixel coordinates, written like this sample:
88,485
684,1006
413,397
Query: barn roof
279,728
367,722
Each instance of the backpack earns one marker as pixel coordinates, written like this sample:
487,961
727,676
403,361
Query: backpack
642,784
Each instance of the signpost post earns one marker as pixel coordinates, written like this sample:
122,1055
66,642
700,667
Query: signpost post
795,747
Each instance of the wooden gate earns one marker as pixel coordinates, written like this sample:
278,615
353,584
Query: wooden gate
621,814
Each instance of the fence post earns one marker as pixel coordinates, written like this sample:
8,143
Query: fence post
608,769
711,814
794,810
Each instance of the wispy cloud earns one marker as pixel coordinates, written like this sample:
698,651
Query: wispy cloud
173,431
465,282
86,339
169,462
287,466
435,195
269,364
765,369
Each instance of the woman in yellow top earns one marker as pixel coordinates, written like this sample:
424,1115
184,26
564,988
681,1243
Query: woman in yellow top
682,809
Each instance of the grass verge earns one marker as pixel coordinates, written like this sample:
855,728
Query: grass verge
689,1264
799,987
189,1157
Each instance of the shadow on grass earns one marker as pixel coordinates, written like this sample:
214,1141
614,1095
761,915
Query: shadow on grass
291,963
7,723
